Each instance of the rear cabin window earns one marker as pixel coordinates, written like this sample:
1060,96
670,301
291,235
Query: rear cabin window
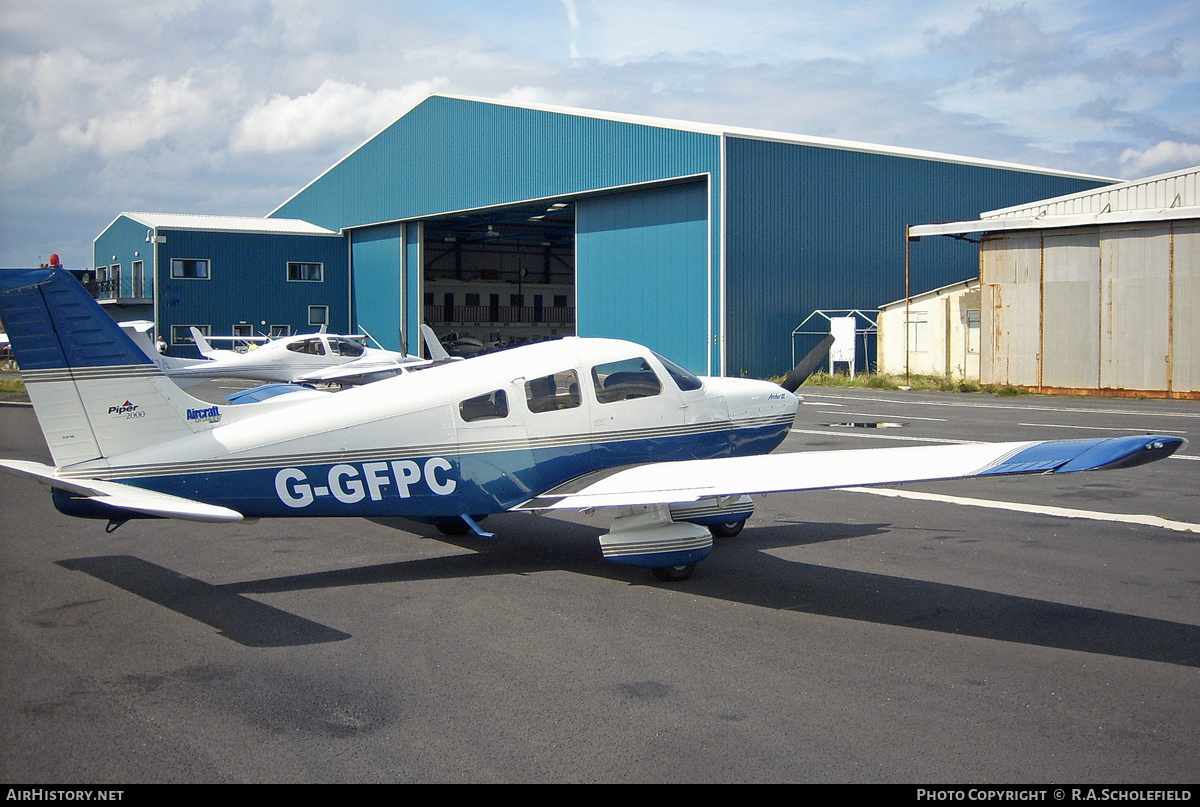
623,380
553,392
492,406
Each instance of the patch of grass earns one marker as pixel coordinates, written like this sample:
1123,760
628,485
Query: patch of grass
934,383
12,385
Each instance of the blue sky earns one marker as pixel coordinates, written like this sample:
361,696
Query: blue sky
230,106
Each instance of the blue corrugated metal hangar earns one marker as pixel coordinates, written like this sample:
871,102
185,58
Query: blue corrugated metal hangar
518,222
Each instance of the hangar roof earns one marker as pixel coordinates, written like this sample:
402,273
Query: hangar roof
781,137
1165,197
719,130
240,224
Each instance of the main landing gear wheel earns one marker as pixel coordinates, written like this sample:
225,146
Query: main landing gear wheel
729,529
673,574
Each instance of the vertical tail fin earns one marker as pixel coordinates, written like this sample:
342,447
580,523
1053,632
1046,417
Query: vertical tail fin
96,394
206,350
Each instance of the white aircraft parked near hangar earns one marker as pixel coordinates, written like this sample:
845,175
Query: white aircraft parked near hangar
305,358
575,423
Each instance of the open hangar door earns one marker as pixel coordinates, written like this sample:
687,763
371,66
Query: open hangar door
500,277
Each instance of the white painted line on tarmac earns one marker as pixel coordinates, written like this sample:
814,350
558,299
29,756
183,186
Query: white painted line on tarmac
884,437
860,400
1103,428
1062,512
877,415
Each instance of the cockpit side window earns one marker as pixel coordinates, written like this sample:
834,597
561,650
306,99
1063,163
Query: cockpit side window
345,347
683,379
313,347
492,406
553,392
623,380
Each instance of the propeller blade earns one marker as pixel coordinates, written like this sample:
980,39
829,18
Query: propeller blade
807,365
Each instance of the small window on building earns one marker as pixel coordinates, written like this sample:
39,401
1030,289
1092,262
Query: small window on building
553,392
190,269
318,315
918,331
182,334
973,332
623,380
491,406
516,300
560,301
280,330
305,272
243,329
472,299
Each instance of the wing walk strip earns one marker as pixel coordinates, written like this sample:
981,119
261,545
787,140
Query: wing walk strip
1047,510
407,452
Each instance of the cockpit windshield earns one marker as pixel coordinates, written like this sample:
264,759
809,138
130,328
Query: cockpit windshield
683,379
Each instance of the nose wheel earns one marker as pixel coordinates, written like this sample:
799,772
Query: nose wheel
674,574
729,529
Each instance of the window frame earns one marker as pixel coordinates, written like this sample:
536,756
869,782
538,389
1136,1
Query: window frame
299,269
181,335
180,261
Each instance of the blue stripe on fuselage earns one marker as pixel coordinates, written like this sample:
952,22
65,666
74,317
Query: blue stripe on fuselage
439,486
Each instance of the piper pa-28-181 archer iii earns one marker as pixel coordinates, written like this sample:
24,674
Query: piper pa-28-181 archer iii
575,423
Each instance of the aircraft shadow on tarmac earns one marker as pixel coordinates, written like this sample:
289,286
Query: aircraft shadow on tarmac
738,570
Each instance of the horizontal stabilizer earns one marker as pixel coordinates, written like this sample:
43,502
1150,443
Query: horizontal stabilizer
124,497
674,482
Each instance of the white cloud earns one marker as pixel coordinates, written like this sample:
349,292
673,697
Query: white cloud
335,111
166,107
1159,158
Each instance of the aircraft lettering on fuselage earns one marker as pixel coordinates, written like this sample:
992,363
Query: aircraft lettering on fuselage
350,484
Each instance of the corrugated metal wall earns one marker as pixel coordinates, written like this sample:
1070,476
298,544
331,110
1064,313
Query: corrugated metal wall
811,228
807,227
378,282
249,281
1096,309
1180,189
451,154
642,261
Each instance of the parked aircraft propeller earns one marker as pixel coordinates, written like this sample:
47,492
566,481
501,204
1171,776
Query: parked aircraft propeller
807,365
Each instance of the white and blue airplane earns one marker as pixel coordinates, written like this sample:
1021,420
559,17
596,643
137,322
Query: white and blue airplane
301,359
571,424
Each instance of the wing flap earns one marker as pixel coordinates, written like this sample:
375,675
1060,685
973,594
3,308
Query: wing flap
678,482
125,497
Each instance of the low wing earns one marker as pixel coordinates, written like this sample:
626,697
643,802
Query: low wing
125,497
687,481
360,371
